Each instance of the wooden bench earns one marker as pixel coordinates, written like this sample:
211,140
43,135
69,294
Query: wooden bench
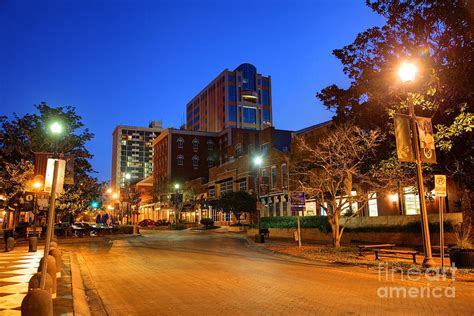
370,247
395,252
31,231
437,250
265,232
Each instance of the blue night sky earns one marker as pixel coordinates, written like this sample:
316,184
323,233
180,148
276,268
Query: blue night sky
129,62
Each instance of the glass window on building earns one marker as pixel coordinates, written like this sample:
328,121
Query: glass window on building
195,144
180,142
226,186
372,204
274,177
210,144
232,93
180,160
264,148
412,201
195,161
210,163
265,97
232,113
243,185
238,149
266,115
231,78
346,207
284,176
250,115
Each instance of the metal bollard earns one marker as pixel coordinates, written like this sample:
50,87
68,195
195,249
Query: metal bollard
33,244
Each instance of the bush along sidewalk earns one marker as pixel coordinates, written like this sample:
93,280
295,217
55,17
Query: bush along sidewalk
321,223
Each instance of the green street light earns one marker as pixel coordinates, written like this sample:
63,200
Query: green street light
128,176
95,204
56,128
176,186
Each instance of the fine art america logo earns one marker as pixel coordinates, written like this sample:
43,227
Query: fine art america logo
432,276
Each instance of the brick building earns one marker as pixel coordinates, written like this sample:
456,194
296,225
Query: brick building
240,98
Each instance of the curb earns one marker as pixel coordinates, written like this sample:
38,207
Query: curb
78,291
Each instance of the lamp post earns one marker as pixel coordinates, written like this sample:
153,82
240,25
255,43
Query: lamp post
127,195
258,162
176,215
407,74
56,130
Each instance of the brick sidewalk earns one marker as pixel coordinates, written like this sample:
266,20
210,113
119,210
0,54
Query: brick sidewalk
16,269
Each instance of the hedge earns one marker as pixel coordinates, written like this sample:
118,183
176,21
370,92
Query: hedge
321,223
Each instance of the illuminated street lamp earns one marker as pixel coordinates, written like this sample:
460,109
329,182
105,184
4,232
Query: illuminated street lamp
109,190
56,128
258,161
176,186
115,195
407,73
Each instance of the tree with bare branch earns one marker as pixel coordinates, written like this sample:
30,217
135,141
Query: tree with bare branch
334,172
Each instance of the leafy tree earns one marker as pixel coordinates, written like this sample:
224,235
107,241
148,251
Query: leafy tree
331,169
237,203
21,137
437,35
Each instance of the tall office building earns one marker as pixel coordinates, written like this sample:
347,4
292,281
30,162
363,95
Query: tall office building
239,98
132,152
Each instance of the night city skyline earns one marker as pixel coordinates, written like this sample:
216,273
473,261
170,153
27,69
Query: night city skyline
123,64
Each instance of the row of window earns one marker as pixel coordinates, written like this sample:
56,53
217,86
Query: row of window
195,142
195,159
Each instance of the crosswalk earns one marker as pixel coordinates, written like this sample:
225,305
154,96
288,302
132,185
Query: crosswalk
16,269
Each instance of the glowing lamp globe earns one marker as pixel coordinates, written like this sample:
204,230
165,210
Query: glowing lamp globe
56,128
407,72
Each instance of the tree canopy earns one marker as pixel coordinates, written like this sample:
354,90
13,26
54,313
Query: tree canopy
21,137
237,202
437,36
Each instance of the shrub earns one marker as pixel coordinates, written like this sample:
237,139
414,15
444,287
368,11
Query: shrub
178,227
207,222
319,222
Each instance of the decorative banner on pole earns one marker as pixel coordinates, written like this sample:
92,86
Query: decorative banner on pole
427,144
440,185
48,179
297,201
41,161
405,151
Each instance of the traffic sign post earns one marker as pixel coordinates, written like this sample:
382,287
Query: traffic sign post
440,193
298,201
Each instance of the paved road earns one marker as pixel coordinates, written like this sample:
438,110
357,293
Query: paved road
185,273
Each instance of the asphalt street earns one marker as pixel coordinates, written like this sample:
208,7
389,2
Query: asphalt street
204,273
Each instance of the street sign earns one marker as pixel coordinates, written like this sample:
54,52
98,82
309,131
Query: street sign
403,138
440,185
41,162
48,179
427,143
297,200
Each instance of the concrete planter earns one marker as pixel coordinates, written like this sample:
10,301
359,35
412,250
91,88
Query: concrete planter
462,258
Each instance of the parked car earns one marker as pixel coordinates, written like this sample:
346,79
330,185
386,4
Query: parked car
81,229
146,222
99,229
161,222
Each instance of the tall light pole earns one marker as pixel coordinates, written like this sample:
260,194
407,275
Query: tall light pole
407,74
258,162
127,183
176,215
56,130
